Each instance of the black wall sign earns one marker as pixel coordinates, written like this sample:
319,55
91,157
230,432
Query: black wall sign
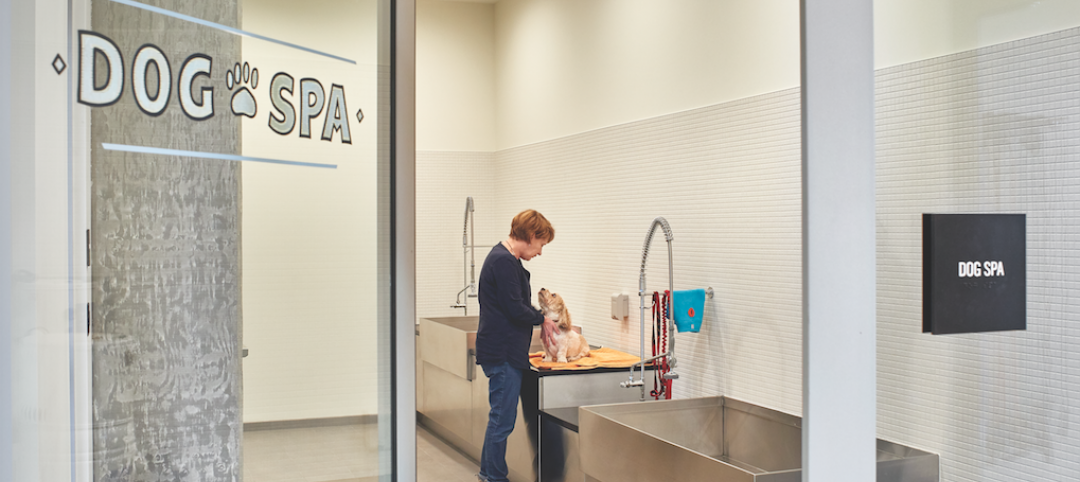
974,273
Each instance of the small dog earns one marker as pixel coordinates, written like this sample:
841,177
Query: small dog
569,345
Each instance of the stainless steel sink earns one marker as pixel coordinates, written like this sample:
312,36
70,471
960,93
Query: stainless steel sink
714,439
452,393
450,343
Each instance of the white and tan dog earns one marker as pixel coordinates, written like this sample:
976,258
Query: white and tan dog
569,345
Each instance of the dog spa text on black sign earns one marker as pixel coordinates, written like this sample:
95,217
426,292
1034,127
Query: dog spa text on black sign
974,273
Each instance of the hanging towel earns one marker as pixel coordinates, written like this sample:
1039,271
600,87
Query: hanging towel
689,306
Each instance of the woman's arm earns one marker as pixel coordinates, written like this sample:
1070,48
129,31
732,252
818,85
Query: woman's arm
517,309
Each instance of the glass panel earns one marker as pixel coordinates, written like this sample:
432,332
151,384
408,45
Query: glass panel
603,115
44,432
310,239
199,236
978,112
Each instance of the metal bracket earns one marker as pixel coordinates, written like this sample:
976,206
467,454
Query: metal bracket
470,370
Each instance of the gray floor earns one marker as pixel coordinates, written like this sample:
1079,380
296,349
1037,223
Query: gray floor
345,453
437,461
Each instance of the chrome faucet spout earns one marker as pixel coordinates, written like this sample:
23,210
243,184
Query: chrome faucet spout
468,240
458,303
468,250
670,354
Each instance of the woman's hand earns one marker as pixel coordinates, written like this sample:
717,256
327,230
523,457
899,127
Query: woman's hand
547,331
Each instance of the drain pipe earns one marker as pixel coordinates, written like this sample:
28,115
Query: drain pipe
670,354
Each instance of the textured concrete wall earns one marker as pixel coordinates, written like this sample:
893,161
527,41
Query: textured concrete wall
166,266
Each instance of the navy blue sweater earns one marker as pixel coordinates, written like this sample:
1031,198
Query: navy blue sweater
506,312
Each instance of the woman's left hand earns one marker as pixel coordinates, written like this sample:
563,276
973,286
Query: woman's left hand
547,331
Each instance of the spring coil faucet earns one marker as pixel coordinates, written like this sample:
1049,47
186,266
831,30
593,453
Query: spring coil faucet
469,257
670,354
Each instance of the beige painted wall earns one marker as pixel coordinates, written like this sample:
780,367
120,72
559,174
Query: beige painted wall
494,76
309,237
455,76
568,66
910,30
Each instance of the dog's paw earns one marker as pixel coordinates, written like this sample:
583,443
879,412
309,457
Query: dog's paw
562,359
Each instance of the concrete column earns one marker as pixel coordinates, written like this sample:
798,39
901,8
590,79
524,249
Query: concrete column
167,376
838,241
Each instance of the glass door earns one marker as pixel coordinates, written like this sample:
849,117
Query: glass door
310,229
199,239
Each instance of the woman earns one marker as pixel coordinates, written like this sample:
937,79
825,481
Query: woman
507,318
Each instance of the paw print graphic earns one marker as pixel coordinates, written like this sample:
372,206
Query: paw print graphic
243,102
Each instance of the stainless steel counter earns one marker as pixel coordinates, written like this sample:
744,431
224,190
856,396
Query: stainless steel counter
452,398
560,458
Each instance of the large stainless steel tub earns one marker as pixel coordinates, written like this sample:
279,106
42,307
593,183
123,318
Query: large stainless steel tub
452,397
714,439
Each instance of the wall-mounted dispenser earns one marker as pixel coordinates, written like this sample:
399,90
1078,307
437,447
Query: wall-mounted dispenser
620,306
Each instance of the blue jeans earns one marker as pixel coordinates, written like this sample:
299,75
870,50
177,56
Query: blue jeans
504,388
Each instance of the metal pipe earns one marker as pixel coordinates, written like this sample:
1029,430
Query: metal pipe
467,248
459,304
472,248
659,221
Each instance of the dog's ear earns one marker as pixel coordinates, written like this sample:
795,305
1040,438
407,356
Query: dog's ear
565,316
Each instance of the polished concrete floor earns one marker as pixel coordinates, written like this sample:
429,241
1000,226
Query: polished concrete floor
437,461
344,453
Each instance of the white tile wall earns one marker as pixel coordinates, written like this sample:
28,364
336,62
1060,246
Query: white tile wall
992,130
443,181
727,178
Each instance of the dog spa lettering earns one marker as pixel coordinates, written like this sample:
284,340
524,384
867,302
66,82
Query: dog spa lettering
194,85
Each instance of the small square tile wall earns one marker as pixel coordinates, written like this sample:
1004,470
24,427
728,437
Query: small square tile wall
727,179
443,182
994,130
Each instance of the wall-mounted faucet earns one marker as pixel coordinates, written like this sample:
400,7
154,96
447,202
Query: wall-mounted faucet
468,258
670,354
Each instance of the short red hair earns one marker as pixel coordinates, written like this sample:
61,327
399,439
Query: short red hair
530,224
